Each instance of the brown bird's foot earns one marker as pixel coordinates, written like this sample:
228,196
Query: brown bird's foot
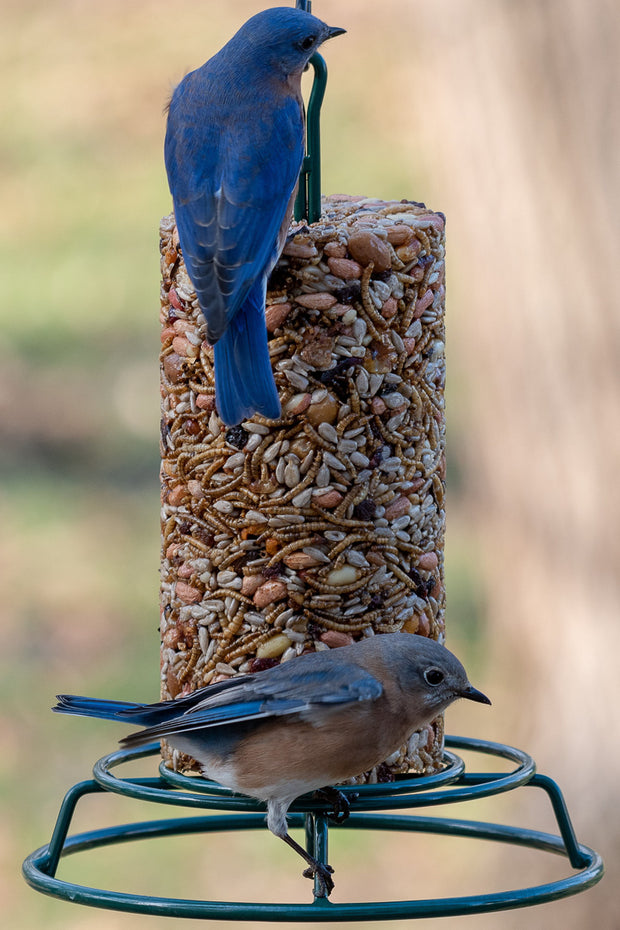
324,874
322,871
339,802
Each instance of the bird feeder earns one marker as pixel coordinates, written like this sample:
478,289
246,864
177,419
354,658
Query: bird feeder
306,533
311,531
452,784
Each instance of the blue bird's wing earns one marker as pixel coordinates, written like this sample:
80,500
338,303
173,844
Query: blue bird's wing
281,691
232,172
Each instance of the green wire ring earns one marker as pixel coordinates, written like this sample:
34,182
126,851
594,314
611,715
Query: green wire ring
40,867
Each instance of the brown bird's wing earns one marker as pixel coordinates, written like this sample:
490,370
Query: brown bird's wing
293,688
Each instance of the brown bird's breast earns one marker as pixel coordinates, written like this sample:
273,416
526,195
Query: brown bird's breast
343,744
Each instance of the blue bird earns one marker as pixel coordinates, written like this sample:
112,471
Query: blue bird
234,149
315,721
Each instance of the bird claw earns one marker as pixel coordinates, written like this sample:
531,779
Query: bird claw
296,232
324,874
339,801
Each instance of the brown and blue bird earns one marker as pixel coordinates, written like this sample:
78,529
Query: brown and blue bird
310,723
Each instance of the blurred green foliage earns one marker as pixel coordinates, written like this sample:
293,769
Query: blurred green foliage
83,187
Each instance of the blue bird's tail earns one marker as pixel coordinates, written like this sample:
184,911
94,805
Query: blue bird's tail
94,707
244,382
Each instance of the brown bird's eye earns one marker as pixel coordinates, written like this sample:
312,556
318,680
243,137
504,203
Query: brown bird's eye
433,676
307,43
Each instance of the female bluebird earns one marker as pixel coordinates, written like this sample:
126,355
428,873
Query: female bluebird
312,722
234,149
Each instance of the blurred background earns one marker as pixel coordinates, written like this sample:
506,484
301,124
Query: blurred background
503,115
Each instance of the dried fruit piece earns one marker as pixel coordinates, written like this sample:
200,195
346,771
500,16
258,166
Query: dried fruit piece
334,639
300,247
345,268
187,593
174,367
276,314
301,560
237,436
269,592
398,508
298,404
346,574
366,247
428,561
399,234
319,301
273,647
317,348
328,500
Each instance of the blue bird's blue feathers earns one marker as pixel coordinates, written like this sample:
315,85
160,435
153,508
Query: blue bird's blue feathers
243,348
299,688
96,707
234,149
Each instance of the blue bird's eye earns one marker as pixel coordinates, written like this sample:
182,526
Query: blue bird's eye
307,43
433,676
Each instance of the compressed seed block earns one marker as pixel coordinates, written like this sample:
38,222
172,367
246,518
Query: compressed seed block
306,533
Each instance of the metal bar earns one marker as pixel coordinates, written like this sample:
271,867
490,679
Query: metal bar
316,842
577,859
314,137
40,867
413,792
308,200
63,821
454,768
318,911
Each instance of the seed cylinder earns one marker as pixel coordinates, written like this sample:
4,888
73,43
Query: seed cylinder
309,532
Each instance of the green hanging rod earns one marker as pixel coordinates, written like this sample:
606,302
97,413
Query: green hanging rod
308,200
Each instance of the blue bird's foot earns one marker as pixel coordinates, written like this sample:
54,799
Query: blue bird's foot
296,232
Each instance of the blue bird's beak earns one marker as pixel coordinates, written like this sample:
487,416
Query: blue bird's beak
472,694
334,31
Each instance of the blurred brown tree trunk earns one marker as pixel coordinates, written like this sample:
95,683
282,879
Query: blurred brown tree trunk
528,112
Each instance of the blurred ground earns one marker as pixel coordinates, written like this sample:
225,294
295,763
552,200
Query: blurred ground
503,115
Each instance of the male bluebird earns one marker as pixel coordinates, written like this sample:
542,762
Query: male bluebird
234,149
309,723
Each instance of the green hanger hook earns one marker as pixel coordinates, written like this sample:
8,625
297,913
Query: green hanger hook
308,200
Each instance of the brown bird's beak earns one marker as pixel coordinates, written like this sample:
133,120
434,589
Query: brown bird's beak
335,31
473,694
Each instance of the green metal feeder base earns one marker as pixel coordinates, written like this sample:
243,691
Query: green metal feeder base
450,785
